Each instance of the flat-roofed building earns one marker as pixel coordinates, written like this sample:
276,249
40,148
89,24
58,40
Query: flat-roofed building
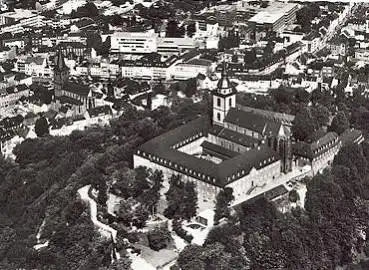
274,18
174,46
134,42
16,15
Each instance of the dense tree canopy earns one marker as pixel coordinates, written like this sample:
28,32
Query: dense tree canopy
182,199
339,123
40,187
328,232
41,127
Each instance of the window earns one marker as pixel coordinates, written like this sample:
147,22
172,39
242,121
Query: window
230,102
218,102
218,116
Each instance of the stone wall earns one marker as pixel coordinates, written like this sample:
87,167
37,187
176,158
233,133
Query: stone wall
256,178
206,193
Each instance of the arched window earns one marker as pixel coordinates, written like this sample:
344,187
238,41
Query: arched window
218,102
230,102
218,116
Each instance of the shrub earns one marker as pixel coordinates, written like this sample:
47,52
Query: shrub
293,196
177,228
158,238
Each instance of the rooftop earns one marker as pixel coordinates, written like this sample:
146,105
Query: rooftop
77,88
317,147
234,136
252,121
273,12
162,150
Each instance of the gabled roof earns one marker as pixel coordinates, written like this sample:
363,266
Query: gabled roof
9,122
234,136
69,100
101,110
252,121
351,135
316,148
77,88
38,60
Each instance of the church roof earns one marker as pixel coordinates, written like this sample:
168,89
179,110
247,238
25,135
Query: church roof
225,84
234,136
69,100
252,121
77,88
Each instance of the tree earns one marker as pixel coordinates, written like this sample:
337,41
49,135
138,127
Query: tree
191,29
181,198
293,196
94,41
351,156
159,238
223,199
190,88
304,124
250,57
140,183
41,127
173,30
189,258
339,123
321,115
89,10
189,201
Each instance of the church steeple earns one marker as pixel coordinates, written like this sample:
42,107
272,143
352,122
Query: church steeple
61,73
224,97
59,62
225,86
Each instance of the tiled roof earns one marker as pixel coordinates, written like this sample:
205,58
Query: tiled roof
162,150
199,62
17,88
9,122
218,150
252,121
351,135
65,44
38,60
69,100
316,148
234,136
100,110
276,192
77,88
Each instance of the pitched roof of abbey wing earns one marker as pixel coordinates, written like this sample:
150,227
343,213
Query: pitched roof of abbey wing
252,121
163,150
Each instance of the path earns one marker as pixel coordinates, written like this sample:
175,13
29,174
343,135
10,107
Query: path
103,228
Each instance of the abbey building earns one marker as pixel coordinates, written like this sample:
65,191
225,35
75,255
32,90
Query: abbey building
240,148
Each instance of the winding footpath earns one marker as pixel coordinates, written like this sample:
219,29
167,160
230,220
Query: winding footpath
104,229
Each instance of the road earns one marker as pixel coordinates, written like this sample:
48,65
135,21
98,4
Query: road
336,30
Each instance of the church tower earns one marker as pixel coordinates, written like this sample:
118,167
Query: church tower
224,98
61,73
